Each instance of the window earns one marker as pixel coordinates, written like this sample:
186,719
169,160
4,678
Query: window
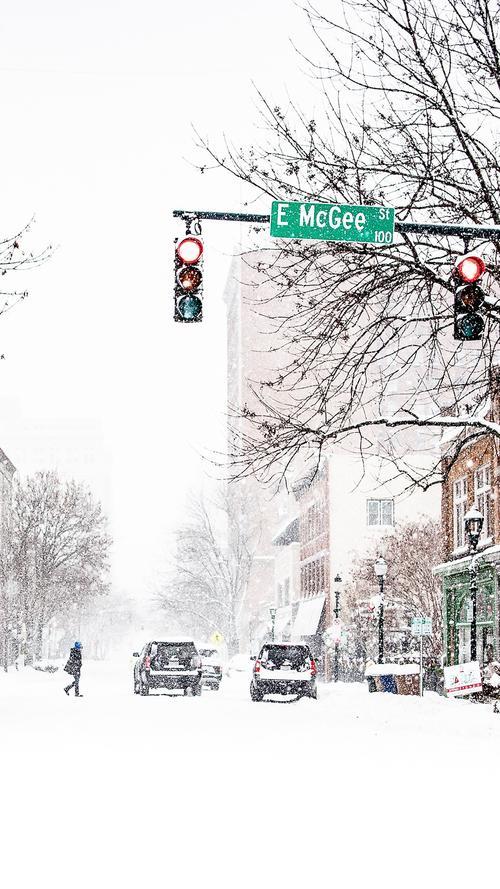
459,510
482,491
380,512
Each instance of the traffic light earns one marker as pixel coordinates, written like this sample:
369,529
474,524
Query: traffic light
469,297
188,286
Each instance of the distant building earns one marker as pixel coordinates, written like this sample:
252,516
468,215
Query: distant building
335,514
247,358
341,518
7,471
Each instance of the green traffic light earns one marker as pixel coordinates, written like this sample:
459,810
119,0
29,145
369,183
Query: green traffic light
189,307
470,327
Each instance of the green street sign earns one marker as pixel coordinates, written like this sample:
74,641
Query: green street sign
332,222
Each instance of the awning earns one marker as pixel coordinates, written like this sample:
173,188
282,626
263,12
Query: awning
308,616
283,618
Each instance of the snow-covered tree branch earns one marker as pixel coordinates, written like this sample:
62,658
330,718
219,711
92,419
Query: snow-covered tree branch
363,335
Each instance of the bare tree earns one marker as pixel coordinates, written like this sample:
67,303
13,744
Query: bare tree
410,104
208,582
58,551
16,256
410,588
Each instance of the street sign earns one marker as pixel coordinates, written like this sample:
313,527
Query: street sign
462,679
421,626
332,222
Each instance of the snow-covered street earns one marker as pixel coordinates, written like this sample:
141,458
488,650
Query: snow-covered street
120,790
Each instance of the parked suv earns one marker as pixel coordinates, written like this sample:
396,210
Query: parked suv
211,666
284,669
170,664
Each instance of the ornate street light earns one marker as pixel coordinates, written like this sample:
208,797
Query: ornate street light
337,585
380,569
473,526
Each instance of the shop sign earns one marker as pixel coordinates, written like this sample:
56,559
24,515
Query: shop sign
462,679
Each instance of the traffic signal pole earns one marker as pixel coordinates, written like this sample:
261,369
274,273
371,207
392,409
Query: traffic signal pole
468,232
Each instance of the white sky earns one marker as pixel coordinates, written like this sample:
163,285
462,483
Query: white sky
97,105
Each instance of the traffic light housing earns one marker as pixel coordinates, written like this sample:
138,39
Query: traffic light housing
469,298
188,284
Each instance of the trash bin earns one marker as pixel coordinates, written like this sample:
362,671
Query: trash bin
408,685
389,684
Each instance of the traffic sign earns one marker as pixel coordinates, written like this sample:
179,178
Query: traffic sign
332,222
217,638
421,626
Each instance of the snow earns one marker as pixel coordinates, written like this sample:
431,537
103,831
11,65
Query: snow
392,670
113,789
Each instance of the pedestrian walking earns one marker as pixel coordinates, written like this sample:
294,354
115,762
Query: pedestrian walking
74,667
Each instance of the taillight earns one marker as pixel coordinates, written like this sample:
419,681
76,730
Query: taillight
256,668
147,663
314,668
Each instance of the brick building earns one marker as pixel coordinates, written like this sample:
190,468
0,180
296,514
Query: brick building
472,480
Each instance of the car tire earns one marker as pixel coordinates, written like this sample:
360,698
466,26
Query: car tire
144,689
255,694
136,687
196,690
314,693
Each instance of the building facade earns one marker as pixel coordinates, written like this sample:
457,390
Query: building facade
472,480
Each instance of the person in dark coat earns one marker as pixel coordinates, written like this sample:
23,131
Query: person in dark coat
74,667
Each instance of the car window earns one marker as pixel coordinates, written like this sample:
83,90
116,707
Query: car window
165,653
284,655
208,652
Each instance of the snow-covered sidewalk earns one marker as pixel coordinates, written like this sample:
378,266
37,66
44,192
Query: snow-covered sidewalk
115,790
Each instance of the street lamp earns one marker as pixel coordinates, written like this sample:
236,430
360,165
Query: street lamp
473,526
337,583
380,568
272,612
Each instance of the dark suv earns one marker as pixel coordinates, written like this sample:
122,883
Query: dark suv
284,669
171,664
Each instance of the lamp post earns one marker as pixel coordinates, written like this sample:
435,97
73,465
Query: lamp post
272,612
337,583
473,525
380,568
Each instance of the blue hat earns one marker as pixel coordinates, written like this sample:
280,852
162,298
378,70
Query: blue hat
78,644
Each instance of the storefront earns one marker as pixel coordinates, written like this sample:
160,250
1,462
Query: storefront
457,608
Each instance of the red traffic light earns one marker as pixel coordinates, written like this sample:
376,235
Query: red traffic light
470,268
189,250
